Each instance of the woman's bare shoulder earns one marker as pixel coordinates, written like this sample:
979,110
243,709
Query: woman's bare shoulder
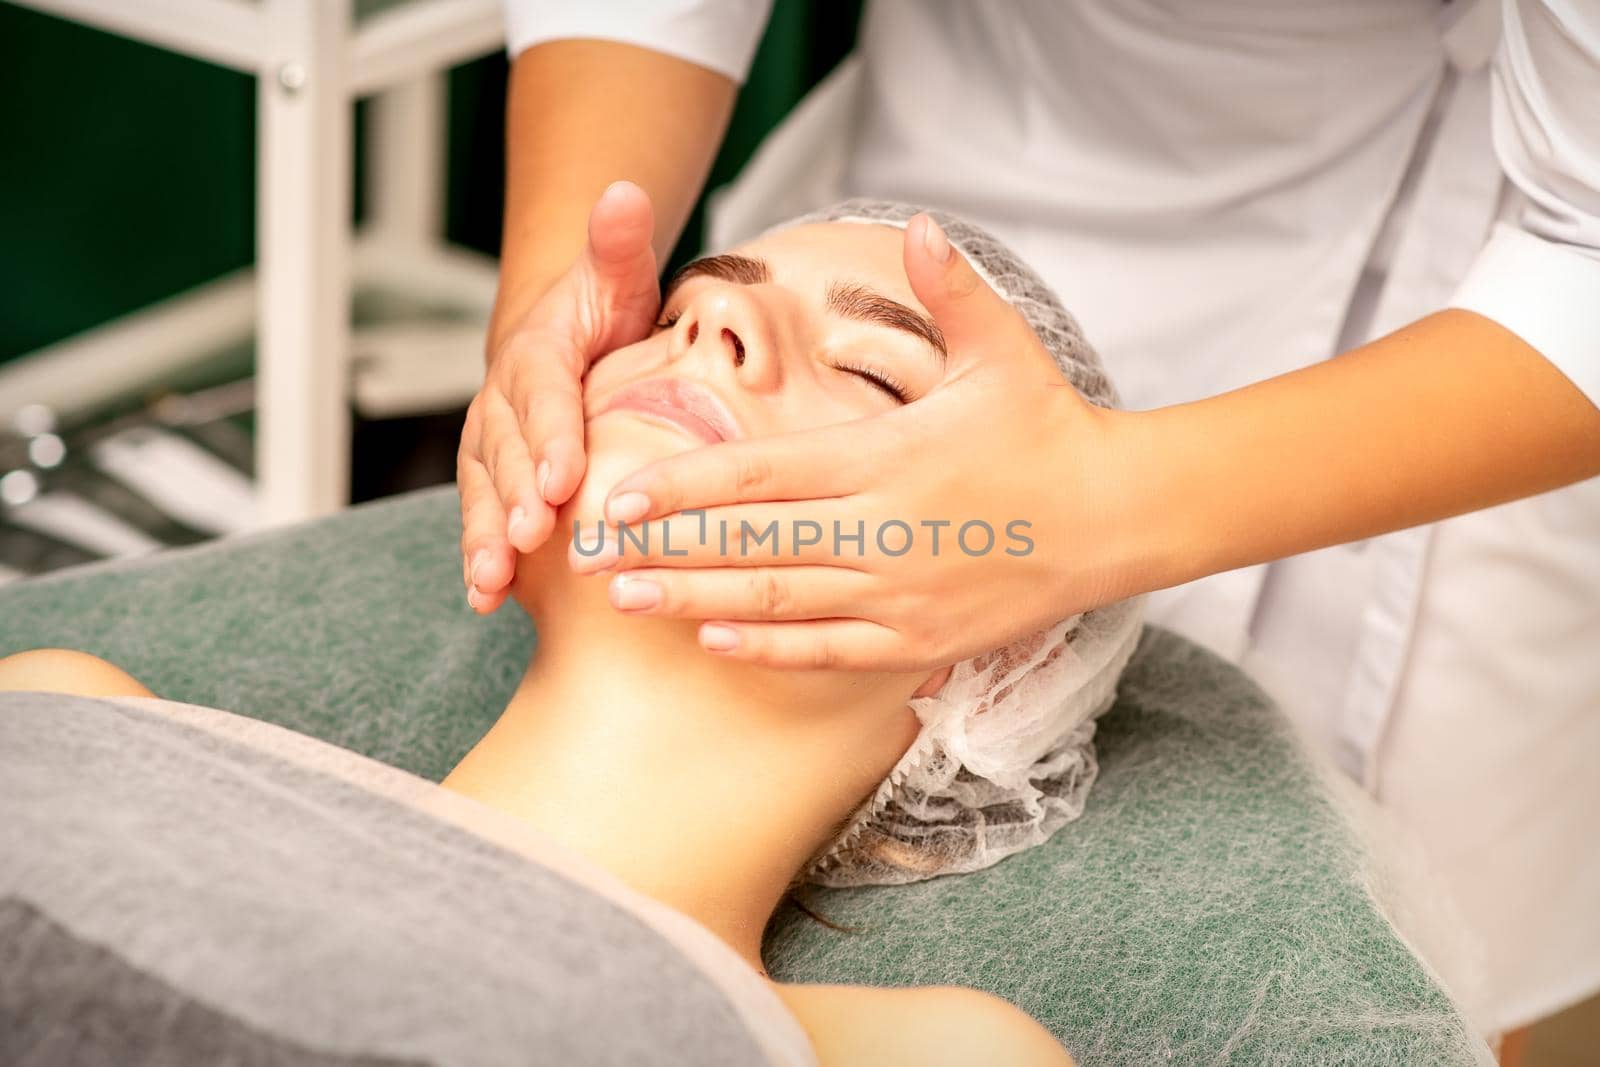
62,670
925,1025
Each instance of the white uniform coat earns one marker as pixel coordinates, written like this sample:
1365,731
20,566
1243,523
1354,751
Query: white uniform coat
1224,190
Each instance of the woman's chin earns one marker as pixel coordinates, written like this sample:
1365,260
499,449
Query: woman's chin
618,446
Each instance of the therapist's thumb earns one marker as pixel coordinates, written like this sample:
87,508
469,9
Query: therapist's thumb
621,227
967,311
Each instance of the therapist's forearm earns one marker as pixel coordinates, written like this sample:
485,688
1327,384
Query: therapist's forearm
580,115
1451,414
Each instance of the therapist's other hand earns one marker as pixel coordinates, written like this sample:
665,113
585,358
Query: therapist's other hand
1002,438
522,450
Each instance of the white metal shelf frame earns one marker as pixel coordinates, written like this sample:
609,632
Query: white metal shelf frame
311,59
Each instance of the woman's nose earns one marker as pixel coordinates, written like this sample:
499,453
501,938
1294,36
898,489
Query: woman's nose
726,329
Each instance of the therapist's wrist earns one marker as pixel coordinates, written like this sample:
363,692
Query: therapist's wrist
1134,532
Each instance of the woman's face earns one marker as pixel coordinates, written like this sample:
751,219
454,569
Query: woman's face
808,327
804,328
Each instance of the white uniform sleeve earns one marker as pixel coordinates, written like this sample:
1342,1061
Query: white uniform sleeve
1540,278
720,35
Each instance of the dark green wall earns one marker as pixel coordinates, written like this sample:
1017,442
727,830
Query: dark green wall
127,176
127,173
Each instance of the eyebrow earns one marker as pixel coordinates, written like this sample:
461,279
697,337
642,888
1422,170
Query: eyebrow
845,300
864,305
741,270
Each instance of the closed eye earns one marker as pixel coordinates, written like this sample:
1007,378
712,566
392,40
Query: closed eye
882,381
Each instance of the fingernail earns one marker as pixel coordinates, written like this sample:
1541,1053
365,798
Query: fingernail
630,593
516,524
937,244
473,597
613,189
627,507
479,558
714,637
543,477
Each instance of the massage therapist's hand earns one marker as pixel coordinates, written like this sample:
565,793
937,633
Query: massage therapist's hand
1002,438
522,452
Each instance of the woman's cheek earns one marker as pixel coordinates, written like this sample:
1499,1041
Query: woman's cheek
618,443
611,372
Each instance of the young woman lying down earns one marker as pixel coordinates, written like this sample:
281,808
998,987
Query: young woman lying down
715,787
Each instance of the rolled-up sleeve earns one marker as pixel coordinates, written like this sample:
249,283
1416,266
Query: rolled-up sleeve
720,35
1539,274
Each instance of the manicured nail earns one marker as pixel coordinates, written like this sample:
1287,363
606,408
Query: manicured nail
479,558
517,524
543,477
631,593
937,244
714,637
627,507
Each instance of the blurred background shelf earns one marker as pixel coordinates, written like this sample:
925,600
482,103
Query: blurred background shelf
311,60
138,239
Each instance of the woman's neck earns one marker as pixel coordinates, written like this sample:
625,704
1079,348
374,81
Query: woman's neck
682,774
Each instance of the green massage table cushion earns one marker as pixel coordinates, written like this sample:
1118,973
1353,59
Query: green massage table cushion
1210,906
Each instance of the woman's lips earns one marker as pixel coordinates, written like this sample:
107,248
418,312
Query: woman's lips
692,408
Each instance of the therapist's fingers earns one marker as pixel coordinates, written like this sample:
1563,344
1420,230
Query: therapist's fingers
827,462
487,603
528,518
488,560
545,390
817,645
616,301
750,593
750,535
